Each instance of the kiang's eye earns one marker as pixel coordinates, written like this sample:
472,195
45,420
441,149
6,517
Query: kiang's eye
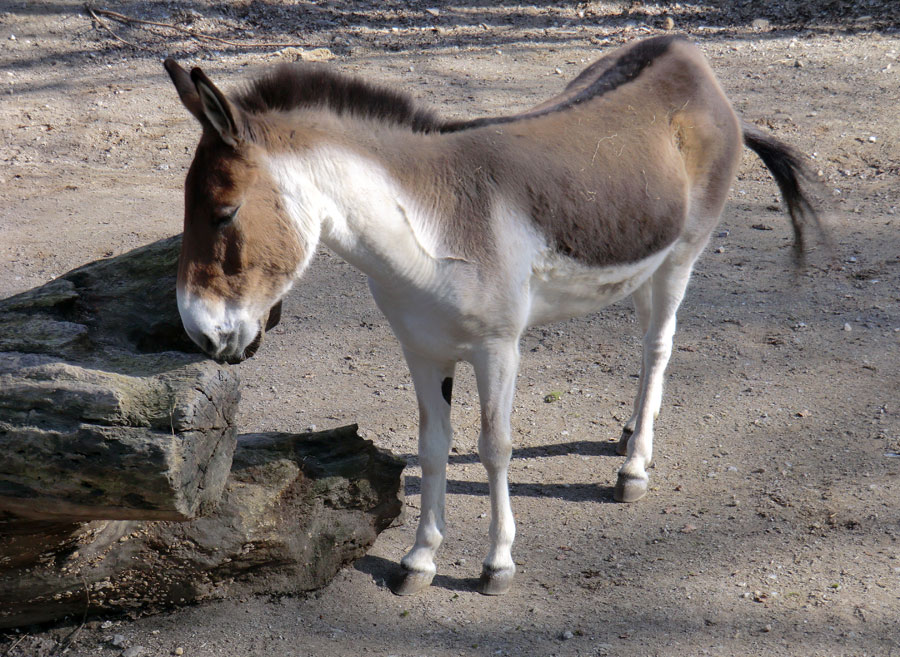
225,215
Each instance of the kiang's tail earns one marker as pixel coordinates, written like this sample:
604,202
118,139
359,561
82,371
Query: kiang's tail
790,170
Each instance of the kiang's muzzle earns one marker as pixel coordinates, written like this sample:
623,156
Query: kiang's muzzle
273,317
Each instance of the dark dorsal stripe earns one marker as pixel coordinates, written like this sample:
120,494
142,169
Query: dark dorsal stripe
293,86
626,69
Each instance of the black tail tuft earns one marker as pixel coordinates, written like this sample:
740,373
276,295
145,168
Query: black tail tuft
788,167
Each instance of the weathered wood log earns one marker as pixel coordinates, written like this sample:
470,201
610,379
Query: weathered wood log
104,411
295,509
120,487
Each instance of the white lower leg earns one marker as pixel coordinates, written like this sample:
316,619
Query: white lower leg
503,527
495,372
643,299
435,436
669,284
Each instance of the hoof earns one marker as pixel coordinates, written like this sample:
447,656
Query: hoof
496,582
629,489
622,447
409,582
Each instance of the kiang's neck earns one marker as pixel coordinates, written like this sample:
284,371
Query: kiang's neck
346,195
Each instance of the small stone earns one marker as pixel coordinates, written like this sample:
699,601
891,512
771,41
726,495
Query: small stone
433,11
105,625
873,139
668,23
565,636
178,651
135,651
761,24
721,249
12,37
847,327
117,641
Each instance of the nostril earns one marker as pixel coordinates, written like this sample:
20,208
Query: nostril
207,344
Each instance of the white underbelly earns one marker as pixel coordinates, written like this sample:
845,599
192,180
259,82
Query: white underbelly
562,288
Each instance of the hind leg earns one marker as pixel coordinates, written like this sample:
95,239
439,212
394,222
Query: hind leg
668,285
433,381
642,297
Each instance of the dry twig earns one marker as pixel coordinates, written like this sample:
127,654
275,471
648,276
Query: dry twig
10,649
122,18
102,23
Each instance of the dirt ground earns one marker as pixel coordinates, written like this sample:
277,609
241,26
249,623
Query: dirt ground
773,521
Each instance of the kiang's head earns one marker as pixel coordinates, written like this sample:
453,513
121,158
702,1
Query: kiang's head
240,251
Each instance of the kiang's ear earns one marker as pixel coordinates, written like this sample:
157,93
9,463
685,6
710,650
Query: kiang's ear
216,109
187,91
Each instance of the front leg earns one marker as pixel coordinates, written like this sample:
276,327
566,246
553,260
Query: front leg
433,382
495,372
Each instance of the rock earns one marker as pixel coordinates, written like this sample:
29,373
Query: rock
104,414
134,651
668,23
761,24
299,54
123,484
295,509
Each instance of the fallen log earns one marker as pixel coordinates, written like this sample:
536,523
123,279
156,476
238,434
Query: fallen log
120,486
295,509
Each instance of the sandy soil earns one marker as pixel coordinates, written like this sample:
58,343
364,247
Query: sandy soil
772,525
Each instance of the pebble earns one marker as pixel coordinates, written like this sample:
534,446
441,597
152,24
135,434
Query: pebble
105,625
761,24
668,23
847,327
873,139
135,651
178,651
565,636
118,641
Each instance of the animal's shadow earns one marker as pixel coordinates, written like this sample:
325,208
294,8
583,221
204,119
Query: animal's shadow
586,492
384,573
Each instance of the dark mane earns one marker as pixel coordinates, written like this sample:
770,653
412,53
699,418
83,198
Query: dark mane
293,86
